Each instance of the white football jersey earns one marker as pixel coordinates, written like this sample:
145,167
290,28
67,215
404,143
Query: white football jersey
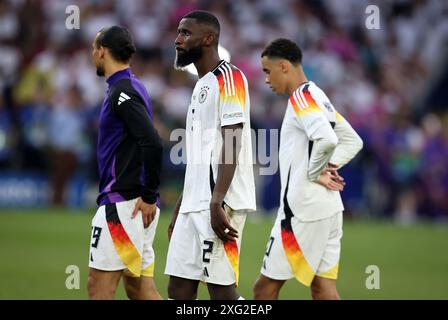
310,116
220,98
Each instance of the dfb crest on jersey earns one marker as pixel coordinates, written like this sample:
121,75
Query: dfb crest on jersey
202,95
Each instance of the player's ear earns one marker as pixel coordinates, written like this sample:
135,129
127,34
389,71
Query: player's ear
102,52
284,65
208,40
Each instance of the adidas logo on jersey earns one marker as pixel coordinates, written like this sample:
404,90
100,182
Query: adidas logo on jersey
123,97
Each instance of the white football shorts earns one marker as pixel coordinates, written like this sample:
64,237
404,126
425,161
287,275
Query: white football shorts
195,252
121,243
303,250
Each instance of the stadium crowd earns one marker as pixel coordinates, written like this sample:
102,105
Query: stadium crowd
380,79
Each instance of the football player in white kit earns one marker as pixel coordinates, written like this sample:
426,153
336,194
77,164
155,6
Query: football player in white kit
315,141
207,225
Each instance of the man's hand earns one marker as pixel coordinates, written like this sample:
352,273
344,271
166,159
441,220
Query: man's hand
220,224
148,211
330,179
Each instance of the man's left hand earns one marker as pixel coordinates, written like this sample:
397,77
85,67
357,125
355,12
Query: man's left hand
148,211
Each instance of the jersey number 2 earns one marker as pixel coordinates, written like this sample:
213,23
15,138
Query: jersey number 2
209,249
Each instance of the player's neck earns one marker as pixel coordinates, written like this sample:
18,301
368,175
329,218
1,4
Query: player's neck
114,67
207,63
297,80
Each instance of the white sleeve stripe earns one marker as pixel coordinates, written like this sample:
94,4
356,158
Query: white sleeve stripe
229,90
225,80
305,103
231,79
298,100
302,99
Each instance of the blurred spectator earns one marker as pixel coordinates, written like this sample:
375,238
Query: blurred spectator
433,168
34,118
66,132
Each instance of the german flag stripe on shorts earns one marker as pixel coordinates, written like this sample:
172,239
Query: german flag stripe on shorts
300,267
231,248
125,248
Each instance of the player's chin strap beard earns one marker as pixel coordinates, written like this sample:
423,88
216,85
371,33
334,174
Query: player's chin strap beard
187,57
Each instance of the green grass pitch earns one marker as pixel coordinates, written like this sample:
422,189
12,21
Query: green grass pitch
37,246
